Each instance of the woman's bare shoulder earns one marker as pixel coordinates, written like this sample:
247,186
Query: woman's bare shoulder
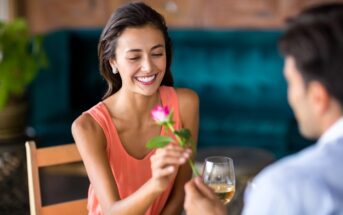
84,123
86,129
187,97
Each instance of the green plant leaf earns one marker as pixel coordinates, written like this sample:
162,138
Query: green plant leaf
159,142
22,56
192,145
3,96
183,133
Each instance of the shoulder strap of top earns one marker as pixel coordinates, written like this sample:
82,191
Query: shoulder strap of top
102,117
169,98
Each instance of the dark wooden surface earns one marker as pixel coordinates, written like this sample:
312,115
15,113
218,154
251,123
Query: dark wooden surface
13,178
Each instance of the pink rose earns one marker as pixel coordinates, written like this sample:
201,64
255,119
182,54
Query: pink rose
164,117
160,114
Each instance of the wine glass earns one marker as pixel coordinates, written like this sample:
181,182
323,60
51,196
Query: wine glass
219,174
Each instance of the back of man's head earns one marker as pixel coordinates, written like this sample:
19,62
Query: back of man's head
314,39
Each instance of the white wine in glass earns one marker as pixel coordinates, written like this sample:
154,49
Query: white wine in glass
219,174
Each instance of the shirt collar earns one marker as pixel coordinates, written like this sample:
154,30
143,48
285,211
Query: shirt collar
334,132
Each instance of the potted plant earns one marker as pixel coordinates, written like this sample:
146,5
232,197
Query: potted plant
21,57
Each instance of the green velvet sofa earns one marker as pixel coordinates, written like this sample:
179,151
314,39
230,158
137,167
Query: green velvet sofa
237,74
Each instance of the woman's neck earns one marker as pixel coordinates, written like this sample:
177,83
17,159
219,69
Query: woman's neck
134,105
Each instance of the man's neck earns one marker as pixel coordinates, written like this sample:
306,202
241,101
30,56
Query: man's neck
333,131
332,114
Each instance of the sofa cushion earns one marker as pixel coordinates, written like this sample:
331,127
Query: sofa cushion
236,73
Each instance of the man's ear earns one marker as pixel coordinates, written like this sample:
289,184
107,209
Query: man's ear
319,97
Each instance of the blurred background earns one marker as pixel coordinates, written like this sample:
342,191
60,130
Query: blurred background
225,50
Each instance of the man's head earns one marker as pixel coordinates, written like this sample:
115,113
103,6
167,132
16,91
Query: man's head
313,47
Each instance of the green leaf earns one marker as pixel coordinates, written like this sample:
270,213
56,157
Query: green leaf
22,58
191,144
183,133
159,142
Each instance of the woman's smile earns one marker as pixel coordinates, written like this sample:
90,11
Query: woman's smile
146,80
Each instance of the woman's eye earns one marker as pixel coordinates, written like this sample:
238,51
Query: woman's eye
157,54
133,58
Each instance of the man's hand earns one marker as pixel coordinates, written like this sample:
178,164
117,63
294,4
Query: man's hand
200,199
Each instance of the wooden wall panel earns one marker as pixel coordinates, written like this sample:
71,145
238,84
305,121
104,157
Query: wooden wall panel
288,8
180,13
46,15
239,13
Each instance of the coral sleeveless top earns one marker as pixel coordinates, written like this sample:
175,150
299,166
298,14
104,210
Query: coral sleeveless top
130,173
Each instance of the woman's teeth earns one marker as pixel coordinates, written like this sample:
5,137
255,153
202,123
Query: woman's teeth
146,79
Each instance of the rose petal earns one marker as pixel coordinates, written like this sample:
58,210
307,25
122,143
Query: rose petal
160,114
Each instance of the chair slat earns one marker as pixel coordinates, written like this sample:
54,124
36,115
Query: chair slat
33,177
68,208
57,154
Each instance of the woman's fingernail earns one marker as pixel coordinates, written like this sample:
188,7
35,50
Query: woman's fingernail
185,154
171,169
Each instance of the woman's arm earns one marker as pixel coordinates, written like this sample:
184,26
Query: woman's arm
189,113
91,143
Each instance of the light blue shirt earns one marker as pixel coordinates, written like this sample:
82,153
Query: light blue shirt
309,182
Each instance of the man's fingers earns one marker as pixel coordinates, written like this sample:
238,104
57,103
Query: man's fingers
192,190
204,189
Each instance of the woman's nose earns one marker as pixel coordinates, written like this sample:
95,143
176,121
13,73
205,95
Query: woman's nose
146,65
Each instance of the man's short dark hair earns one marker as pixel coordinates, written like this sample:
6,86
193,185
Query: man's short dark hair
314,39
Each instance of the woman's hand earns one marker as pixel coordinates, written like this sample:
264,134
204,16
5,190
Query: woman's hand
165,163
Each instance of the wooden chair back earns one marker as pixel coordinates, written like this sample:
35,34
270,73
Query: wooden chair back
44,157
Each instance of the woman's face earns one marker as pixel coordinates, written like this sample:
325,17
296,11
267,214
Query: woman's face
141,59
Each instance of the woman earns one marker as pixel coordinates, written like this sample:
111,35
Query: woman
127,178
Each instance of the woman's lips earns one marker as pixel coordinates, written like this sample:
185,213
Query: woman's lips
146,80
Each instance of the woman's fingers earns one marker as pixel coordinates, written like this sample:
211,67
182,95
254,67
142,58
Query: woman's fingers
170,155
166,160
165,171
172,149
165,163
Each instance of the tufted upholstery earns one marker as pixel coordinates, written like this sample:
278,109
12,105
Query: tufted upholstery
237,74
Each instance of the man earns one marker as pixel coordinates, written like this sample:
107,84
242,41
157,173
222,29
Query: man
311,181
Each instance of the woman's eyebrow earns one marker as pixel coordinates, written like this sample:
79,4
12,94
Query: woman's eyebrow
134,50
140,50
157,46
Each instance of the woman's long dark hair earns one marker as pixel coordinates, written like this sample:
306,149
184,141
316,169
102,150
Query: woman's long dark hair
130,15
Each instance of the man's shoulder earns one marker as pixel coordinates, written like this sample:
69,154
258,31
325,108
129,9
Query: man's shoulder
287,175
291,165
276,190
291,185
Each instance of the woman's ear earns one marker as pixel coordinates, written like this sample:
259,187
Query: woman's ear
319,97
113,63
